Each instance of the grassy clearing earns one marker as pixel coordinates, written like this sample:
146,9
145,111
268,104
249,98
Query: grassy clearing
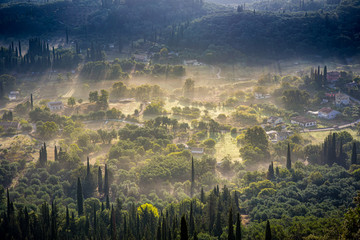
227,146
318,137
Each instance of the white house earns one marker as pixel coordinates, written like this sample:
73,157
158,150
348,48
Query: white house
341,99
55,106
303,121
327,113
274,120
276,136
13,95
261,95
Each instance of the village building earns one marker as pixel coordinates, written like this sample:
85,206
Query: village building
194,150
341,99
275,136
333,76
261,95
55,106
274,121
327,113
13,95
303,121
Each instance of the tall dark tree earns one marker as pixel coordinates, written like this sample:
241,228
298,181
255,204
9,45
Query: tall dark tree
238,227
106,181
113,224
192,178
270,173
191,220
107,202
288,158
268,231
202,196
325,74
184,235
354,154
55,153
100,182
20,49
80,199
231,235
31,102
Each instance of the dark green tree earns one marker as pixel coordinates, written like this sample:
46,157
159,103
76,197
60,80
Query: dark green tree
238,227
100,182
231,235
31,102
183,230
270,173
288,158
80,200
268,231
55,153
354,154
191,220
192,178
106,181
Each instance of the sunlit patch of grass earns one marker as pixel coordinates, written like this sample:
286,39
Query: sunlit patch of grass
318,137
227,145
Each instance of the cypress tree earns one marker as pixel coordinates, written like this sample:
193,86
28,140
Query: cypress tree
270,173
218,227
183,230
80,200
56,154
95,225
54,216
158,232
268,231
106,181
20,49
354,154
332,157
202,196
325,74
192,177
88,167
113,224
231,235
288,158
107,202
87,226
100,181
191,220
31,102
67,218
238,227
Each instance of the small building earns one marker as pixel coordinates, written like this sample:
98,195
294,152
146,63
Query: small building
13,95
55,106
303,121
327,113
276,136
193,62
261,95
8,125
194,150
333,76
275,120
342,99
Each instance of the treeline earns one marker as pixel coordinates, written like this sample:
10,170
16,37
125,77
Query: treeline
39,57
